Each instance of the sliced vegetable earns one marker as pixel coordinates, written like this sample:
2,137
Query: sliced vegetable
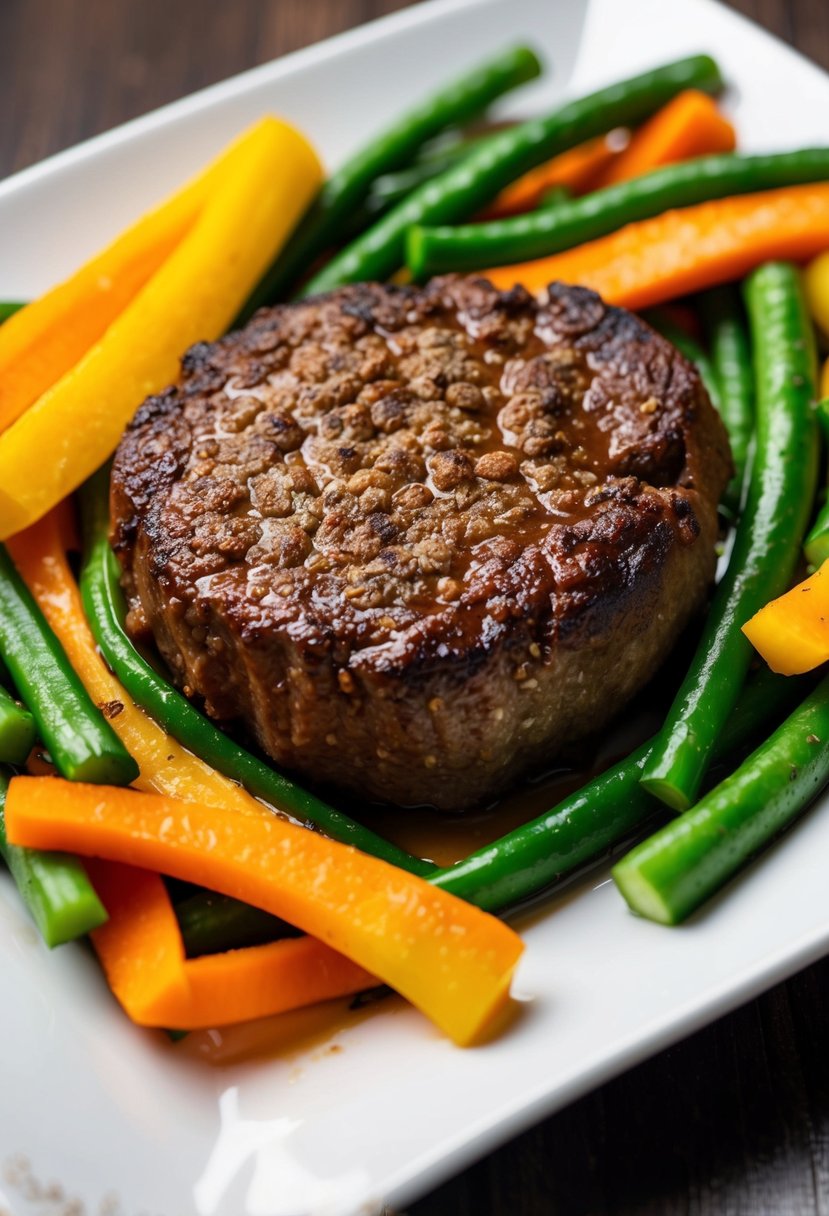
474,246
731,357
767,542
106,612
54,887
388,189
668,876
477,178
345,190
141,951
792,632
49,336
17,729
577,169
690,125
684,251
448,958
81,743
192,296
816,544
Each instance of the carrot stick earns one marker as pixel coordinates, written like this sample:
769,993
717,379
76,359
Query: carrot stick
141,952
45,339
687,250
166,767
689,125
140,947
450,959
576,169
271,176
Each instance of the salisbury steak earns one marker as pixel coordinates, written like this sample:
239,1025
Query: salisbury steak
419,540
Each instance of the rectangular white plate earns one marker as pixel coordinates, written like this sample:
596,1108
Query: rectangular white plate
378,1107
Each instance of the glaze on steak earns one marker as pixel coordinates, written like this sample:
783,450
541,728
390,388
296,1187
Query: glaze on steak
419,540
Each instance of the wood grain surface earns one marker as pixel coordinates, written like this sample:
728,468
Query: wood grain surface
735,1120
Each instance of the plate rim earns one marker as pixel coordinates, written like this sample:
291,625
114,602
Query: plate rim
492,1129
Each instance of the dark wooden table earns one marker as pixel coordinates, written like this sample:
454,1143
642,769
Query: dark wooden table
732,1122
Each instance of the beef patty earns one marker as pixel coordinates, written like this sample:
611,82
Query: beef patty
420,540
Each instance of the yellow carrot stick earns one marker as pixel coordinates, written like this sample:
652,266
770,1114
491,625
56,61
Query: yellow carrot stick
194,295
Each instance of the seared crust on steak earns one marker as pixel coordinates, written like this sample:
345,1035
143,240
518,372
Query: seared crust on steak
420,540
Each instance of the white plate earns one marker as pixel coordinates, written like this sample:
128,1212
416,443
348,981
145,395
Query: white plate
376,1107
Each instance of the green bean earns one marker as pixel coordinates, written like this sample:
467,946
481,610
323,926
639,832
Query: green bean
211,924
822,411
345,190
436,250
590,822
105,610
53,886
727,335
668,876
767,540
464,189
17,729
7,309
80,741
816,545
390,188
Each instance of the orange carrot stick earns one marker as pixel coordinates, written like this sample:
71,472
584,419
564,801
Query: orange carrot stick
687,250
166,767
576,169
451,960
689,125
141,952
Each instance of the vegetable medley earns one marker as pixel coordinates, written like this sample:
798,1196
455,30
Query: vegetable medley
206,907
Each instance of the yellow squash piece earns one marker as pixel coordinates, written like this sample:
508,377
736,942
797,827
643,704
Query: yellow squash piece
194,295
816,286
792,632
